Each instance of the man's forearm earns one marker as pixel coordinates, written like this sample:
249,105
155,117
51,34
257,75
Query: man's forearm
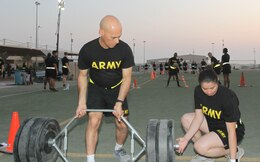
82,89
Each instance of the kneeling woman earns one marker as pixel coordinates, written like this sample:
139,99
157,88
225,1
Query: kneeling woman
215,127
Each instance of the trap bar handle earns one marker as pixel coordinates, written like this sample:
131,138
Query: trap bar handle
64,132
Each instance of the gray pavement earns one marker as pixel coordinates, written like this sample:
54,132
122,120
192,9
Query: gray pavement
151,101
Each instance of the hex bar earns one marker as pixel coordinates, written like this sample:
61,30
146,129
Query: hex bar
64,131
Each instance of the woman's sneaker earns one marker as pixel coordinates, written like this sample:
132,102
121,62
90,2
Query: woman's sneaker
240,154
199,158
122,156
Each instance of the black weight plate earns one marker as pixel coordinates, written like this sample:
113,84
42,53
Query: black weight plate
49,130
165,141
16,141
35,129
171,142
162,133
24,140
152,141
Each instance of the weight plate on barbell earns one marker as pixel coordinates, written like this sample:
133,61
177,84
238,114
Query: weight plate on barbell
22,140
152,141
16,141
35,129
165,141
171,141
48,131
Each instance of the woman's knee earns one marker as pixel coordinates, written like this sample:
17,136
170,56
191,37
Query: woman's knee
200,148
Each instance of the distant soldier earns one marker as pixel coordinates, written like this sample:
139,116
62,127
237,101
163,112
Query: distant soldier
174,69
215,64
226,67
65,70
194,67
166,67
1,67
161,68
185,66
203,64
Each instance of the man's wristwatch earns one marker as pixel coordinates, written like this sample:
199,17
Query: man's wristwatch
121,101
233,160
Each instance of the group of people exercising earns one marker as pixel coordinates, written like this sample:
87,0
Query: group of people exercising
105,70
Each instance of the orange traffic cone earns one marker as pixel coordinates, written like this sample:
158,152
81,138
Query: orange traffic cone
242,80
184,81
135,83
152,76
14,126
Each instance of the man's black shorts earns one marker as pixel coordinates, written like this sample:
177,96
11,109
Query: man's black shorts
65,71
101,98
51,73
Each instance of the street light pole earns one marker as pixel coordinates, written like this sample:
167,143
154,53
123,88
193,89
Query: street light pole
61,7
212,48
71,41
37,26
134,47
144,51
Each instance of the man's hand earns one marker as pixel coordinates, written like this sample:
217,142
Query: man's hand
118,111
81,111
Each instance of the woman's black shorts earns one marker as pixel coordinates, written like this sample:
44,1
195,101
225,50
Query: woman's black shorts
223,134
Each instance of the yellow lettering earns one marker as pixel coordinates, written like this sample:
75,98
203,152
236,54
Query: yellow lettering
218,113
102,65
204,109
118,63
111,65
94,65
211,113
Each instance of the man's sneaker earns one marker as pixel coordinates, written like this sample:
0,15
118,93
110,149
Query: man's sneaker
122,156
199,158
240,154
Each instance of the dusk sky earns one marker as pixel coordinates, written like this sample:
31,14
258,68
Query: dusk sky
167,26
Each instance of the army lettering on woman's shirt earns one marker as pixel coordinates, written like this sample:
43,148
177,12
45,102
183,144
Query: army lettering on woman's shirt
218,109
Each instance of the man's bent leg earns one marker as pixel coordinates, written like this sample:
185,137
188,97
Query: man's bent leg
121,132
121,136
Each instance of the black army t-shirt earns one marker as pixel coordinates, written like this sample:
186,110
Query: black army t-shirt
105,65
218,109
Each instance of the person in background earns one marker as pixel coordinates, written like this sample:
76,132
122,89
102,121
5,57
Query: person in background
65,70
215,127
226,68
161,68
173,69
215,65
47,62
203,64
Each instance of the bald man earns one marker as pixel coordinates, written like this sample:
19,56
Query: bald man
105,69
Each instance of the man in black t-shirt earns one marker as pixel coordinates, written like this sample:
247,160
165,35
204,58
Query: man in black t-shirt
173,69
226,68
1,67
51,71
105,69
215,127
65,70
